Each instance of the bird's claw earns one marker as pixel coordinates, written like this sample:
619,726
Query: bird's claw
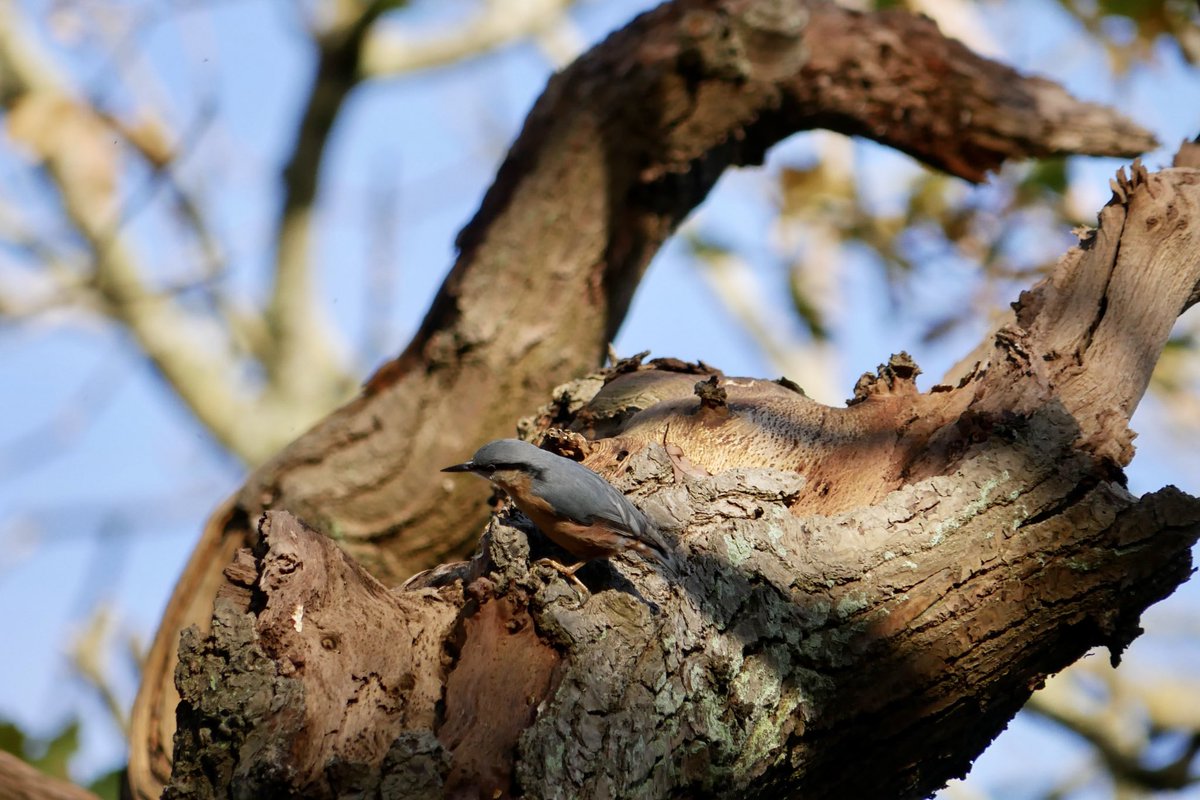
566,572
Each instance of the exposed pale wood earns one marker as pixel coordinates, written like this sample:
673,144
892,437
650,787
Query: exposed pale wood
869,645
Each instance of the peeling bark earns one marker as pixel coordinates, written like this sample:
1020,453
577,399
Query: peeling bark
815,639
348,674
618,150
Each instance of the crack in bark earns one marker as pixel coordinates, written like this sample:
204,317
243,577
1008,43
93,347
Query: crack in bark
1077,493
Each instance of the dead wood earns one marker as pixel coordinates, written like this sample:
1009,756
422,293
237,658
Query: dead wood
866,595
618,150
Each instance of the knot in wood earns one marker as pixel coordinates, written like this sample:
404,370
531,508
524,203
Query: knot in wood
713,396
902,367
897,376
709,47
771,33
568,444
779,17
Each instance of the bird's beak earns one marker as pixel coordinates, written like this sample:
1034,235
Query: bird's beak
466,466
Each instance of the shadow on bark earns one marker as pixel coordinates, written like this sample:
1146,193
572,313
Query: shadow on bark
881,584
787,652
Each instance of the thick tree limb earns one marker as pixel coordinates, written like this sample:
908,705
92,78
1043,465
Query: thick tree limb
619,149
882,585
601,174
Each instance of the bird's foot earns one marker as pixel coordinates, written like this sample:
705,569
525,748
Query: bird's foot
568,573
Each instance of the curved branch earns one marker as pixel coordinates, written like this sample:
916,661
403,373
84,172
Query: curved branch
618,150
602,173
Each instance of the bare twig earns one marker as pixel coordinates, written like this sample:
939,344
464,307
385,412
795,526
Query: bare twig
1117,731
87,657
388,52
197,357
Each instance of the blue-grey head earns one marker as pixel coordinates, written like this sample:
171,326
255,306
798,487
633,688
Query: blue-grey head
502,456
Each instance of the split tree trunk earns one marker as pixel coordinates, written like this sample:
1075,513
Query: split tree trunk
864,597
618,150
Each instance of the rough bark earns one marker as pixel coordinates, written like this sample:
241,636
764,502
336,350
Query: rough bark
306,615
865,595
618,150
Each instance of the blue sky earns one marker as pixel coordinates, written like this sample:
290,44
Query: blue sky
102,502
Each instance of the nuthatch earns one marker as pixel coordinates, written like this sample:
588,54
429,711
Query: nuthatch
580,511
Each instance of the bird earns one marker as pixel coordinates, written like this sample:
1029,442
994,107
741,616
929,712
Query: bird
580,511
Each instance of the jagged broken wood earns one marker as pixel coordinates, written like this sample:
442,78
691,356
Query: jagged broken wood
867,593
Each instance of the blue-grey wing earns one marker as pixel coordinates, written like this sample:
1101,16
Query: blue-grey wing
589,498
583,496
625,517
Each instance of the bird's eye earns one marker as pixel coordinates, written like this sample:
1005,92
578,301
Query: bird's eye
490,468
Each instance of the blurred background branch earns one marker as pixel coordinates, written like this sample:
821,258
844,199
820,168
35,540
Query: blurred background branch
1146,734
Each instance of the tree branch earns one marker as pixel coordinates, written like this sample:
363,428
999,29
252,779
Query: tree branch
301,365
81,166
303,381
1113,735
882,584
389,53
634,157
617,151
